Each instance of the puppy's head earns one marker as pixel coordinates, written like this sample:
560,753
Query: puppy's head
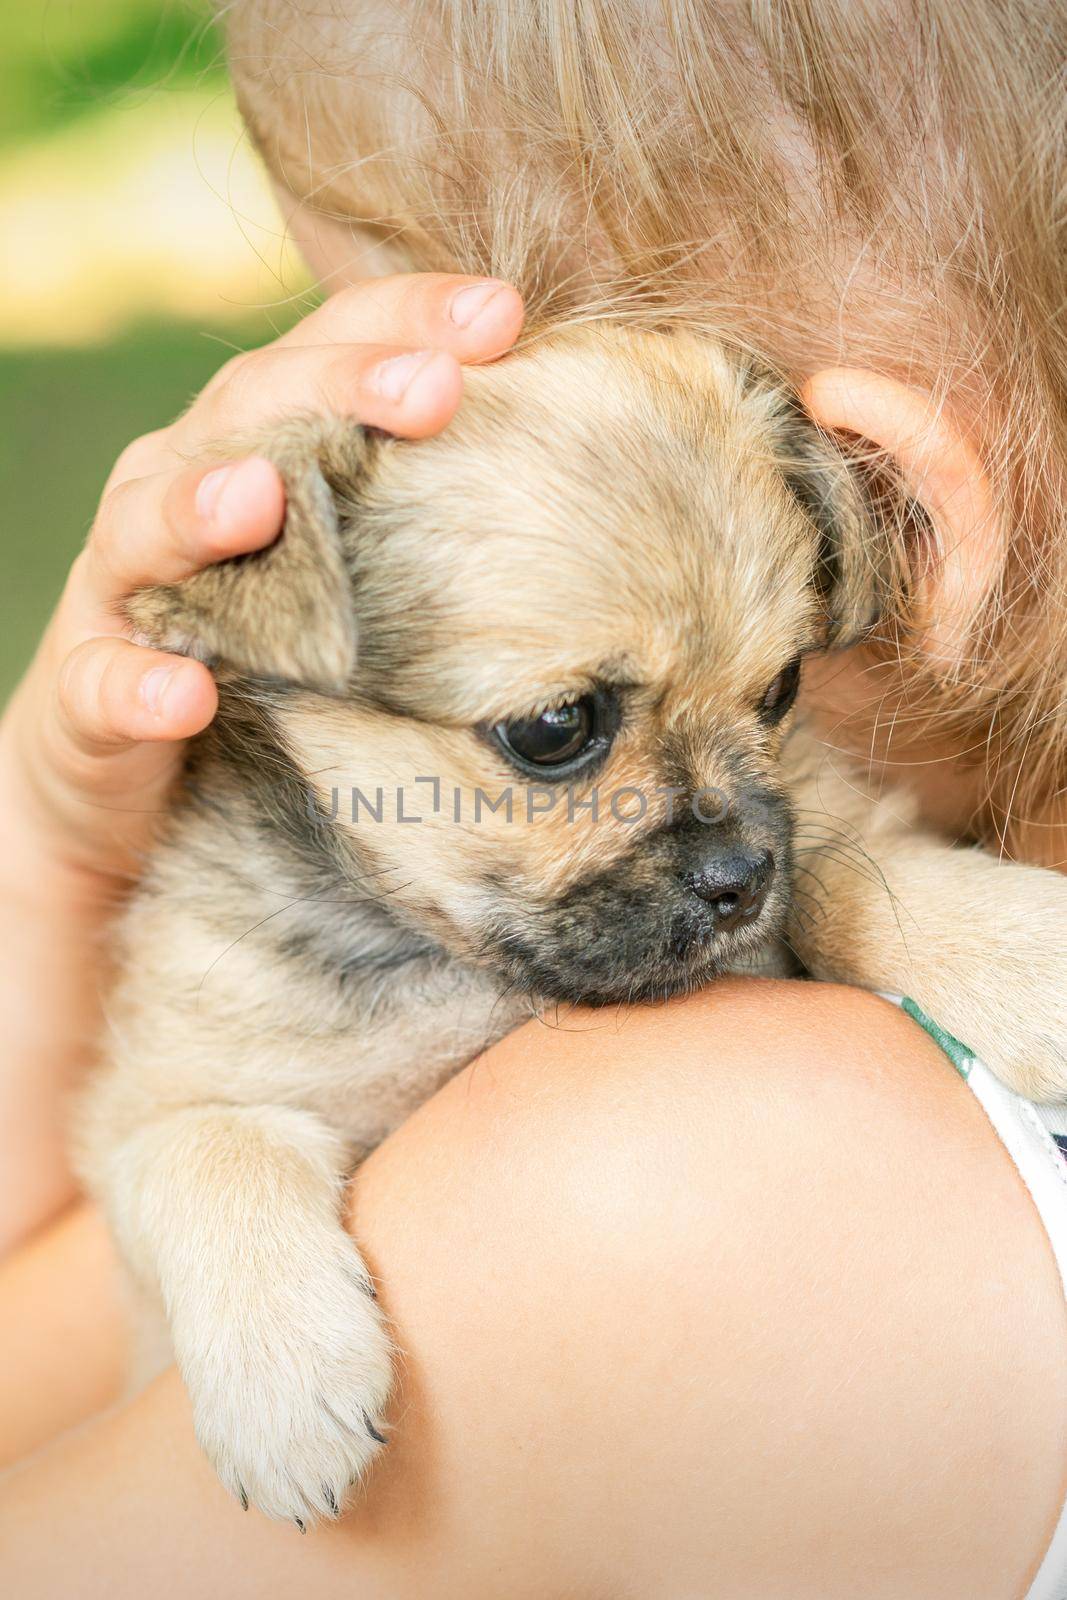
538,668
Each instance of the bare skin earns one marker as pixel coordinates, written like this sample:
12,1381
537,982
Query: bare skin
687,1307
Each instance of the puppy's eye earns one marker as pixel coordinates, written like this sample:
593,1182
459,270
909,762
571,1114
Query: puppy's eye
557,737
781,692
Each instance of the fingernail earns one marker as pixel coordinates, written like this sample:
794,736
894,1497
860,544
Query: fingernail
393,378
468,305
154,686
227,497
209,492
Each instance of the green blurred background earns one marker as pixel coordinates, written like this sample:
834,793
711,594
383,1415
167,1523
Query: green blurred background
139,247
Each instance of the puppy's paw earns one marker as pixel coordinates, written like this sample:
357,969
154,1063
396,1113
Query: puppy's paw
288,1396
1011,1012
1025,1041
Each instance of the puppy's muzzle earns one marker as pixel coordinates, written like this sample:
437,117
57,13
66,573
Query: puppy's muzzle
733,882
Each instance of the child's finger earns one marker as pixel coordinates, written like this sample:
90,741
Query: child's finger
112,694
474,319
163,528
406,392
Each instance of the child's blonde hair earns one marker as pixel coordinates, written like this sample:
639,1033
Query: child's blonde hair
821,181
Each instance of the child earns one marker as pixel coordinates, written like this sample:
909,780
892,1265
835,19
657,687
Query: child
873,203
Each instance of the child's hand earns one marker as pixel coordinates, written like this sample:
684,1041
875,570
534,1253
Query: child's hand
92,739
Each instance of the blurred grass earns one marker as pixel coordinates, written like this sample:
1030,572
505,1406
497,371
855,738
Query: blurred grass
67,414
89,89
64,58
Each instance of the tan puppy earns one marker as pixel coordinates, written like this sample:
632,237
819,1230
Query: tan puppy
501,725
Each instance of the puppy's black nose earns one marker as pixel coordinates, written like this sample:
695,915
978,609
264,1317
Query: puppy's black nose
734,883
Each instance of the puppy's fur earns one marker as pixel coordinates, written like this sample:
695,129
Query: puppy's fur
636,518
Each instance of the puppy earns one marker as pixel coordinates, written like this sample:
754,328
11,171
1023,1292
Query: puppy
502,724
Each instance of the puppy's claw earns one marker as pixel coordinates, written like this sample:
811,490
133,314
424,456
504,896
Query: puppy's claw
242,1497
379,1438
294,1451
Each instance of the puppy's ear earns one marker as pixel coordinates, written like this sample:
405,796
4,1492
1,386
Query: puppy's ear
285,612
843,494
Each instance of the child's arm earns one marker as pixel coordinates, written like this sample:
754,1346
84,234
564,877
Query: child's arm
740,1296
92,739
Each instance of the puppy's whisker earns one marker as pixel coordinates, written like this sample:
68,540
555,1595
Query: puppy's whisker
827,850
855,858
233,946
811,908
804,915
794,952
810,836
828,853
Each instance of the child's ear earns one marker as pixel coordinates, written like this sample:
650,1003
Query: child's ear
286,612
959,551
